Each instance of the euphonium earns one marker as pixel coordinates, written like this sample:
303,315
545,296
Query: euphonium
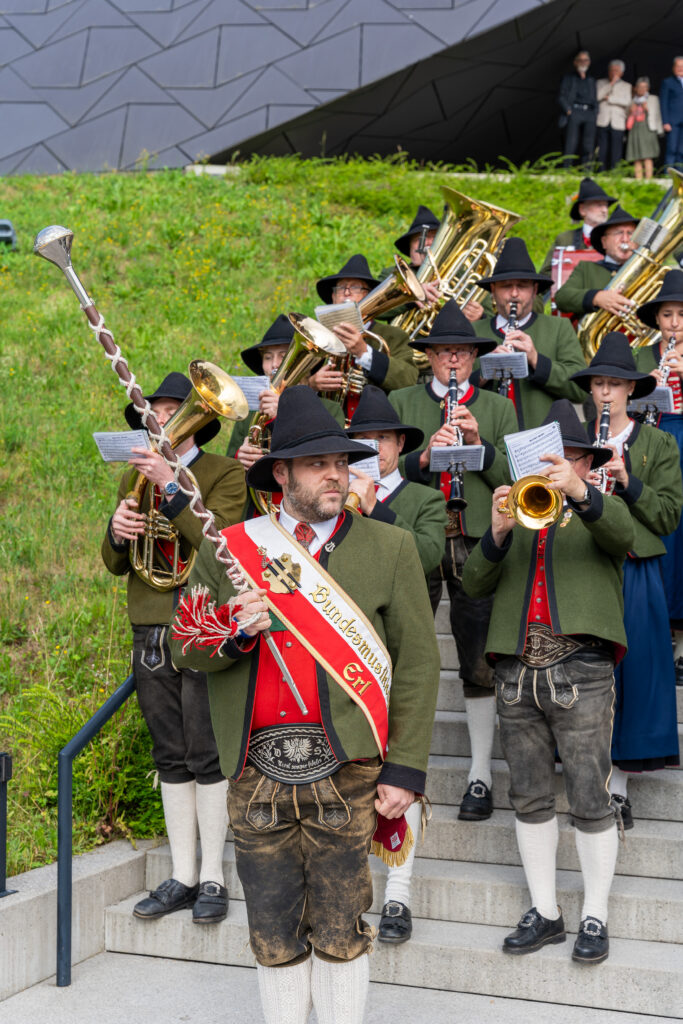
641,276
214,393
533,503
312,342
464,249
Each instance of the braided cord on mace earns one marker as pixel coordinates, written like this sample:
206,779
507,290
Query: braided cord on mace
54,244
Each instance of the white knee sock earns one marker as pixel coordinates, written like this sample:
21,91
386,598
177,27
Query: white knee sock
538,850
340,990
285,993
180,813
618,783
398,879
212,817
481,724
598,857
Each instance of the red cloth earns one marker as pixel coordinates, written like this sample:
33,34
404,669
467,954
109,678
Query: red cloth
539,609
305,534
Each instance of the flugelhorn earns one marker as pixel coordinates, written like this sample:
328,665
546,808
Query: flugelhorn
533,503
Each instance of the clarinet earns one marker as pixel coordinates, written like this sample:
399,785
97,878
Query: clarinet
665,371
607,482
506,379
456,498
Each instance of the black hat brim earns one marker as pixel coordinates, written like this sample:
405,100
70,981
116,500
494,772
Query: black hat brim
483,345
325,285
260,475
600,455
413,435
514,275
253,356
648,311
574,211
645,383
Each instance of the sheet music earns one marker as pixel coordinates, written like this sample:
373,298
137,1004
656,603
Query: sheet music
661,400
252,388
466,456
370,466
493,364
339,313
524,449
116,446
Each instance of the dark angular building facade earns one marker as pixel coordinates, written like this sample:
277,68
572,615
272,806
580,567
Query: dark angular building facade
102,84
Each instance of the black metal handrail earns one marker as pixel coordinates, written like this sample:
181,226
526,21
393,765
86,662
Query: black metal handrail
5,776
65,823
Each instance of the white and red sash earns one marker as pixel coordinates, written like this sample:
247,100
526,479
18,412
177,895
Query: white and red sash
320,614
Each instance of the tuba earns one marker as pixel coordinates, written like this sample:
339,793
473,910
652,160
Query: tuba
214,393
311,343
641,276
464,249
533,503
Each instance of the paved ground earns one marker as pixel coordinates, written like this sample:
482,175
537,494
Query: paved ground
114,988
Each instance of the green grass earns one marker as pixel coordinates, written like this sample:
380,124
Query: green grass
181,268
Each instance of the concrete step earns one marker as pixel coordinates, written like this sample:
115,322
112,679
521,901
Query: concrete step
450,692
638,976
493,894
652,849
656,795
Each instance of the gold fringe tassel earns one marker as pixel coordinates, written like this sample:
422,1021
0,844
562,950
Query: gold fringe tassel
394,858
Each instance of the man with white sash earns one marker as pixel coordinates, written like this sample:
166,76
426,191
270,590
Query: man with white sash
312,791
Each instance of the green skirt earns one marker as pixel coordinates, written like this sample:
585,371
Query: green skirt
643,143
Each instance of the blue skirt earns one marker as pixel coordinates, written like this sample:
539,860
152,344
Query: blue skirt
672,562
645,733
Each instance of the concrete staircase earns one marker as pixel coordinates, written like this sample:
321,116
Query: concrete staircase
469,890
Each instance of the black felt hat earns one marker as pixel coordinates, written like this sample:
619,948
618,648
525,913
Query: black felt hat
424,218
514,264
280,332
589,192
357,268
303,426
617,216
614,358
178,386
375,412
671,290
451,327
573,433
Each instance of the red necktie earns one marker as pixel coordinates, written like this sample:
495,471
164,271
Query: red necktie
305,534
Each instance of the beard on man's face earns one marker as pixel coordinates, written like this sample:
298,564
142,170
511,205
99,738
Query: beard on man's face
307,503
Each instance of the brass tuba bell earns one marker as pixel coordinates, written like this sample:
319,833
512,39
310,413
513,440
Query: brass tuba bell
533,503
214,393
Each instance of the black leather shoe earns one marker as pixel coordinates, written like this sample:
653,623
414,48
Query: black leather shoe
170,896
622,808
396,923
477,803
532,932
211,905
592,942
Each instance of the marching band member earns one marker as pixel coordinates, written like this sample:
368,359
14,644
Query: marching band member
590,208
396,370
665,361
264,359
305,791
174,701
422,511
483,418
645,468
553,641
586,288
551,346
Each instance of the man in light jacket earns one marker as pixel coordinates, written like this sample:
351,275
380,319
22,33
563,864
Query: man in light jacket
614,100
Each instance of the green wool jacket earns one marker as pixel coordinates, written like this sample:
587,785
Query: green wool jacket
397,370
221,484
571,237
422,511
559,356
583,568
647,357
377,566
420,407
240,430
654,494
577,293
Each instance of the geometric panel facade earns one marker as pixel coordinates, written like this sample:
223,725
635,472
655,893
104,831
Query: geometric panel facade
95,84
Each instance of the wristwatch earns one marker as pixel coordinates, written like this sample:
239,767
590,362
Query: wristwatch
171,488
585,499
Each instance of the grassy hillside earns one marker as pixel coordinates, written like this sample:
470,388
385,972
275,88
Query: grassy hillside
181,268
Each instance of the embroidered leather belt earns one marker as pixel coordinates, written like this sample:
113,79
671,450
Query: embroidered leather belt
544,648
293,754
453,528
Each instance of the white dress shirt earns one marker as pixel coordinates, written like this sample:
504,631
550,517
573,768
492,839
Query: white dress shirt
323,531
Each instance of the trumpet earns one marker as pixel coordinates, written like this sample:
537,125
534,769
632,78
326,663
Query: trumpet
607,481
513,325
456,501
533,503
